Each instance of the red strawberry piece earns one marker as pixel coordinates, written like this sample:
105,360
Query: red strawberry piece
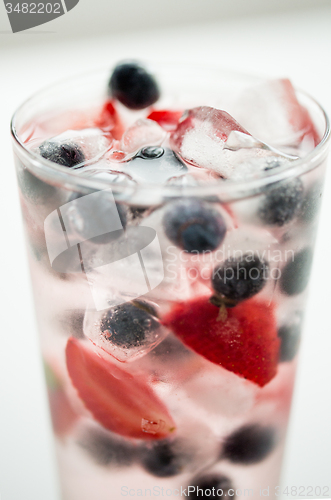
165,118
110,120
119,401
242,339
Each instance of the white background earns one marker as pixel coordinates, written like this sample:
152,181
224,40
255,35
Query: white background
284,38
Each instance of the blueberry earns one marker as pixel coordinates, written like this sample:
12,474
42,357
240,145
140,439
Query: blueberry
295,275
240,279
282,203
67,155
107,450
211,486
164,459
129,324
194,225
86,217
249,445
133,86
290,340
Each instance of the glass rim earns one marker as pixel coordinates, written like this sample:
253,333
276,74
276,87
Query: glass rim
227,191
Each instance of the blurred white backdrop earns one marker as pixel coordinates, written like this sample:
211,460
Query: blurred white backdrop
274,38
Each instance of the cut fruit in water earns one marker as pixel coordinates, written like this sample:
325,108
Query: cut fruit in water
242,339
119,401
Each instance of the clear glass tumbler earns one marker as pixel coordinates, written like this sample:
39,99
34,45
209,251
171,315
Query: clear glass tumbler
165,378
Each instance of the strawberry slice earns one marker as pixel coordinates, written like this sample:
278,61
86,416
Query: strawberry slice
109,120
242,339
119,401
165,118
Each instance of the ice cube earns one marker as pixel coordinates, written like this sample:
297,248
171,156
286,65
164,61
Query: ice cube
212,139
272,112
127,331
142,133
93,141
154,165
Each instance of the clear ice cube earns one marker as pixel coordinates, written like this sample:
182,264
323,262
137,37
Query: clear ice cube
142,133
272,112
212,139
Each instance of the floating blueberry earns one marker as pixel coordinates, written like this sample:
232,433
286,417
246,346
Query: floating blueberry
128,325
106,450
93,216
290,340
211,486
282,203
240,279
164,459
67,155
133,86
249,444
295,275
194,225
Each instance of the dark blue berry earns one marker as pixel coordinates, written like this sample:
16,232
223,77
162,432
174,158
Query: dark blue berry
129,324
249,445
107,450
282,203
133,86
164,459
211,485
296,273
94,215
67,155
240,279
194,225
290,340
154,164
